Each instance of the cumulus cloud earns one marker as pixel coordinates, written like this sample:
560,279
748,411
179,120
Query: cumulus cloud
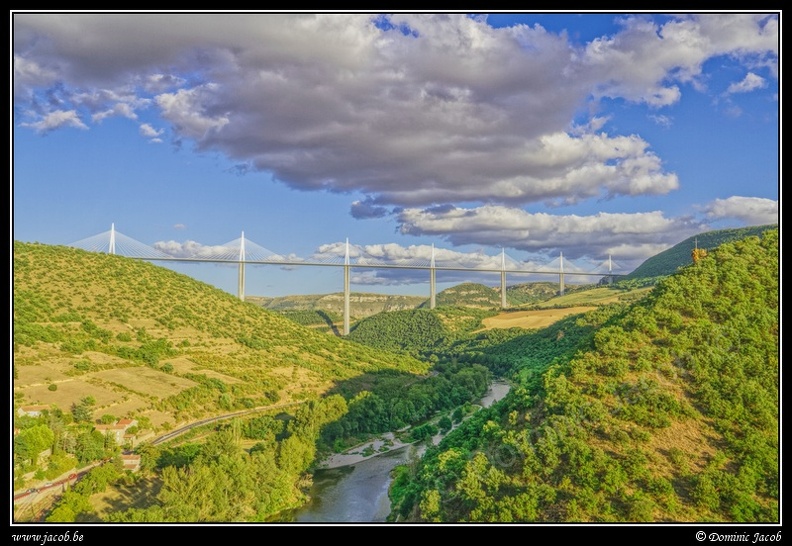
231,251
194,249
29,74
749,83
56,120
750,210
120,109
408,264
648,60
628,236
147,131
409,110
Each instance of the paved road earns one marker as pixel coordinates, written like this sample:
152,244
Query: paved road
181,430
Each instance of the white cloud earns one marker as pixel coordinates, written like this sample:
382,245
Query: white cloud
120,109
436,108
628,236
148,131
193,249
186,110
28,74
644,61
749,83
57,119
662,120
751,210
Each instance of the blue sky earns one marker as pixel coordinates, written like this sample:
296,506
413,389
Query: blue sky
584,133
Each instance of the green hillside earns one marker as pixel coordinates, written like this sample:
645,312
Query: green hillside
361,305
100,338
419,332
530,292
468,294
666,410
147,341
414,331
668,261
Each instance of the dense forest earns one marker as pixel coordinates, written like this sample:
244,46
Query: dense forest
665,410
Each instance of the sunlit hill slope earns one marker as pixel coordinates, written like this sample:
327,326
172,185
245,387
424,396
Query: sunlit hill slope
146,341
666,410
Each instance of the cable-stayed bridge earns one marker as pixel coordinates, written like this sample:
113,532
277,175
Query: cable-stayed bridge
242,251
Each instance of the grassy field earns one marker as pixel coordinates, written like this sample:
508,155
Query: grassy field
548,312
539,318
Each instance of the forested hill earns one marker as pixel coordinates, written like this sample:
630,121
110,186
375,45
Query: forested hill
668,412
147,341
668,261
468,294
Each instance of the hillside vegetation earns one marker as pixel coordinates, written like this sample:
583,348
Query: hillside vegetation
664,410
120,328
361,305
98,338
468,294
668,261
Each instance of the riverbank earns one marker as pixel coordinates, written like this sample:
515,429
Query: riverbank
379,445
388,442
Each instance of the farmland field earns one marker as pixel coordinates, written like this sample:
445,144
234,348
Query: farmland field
539,318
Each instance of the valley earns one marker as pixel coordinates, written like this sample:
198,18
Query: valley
629,402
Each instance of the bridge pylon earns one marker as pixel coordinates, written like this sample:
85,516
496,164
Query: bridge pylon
241,276
432,281
346,289
504,304
561,275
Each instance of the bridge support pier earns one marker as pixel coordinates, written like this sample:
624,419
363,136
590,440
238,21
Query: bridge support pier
346,290
241,281
432,282
504,303
346,300
432,289
241,277
561,275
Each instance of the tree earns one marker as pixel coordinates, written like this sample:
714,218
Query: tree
90,446
83,411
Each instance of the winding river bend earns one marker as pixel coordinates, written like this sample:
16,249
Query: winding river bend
359,493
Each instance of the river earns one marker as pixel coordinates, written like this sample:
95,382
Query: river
359,493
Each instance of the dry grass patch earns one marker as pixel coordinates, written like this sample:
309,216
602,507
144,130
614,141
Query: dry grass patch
157,417
692,439
540,318
43,373
147,381
104,359
298,381
70,392
184,365
126,408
